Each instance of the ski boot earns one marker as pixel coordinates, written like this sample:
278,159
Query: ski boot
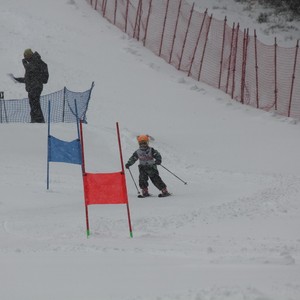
164,193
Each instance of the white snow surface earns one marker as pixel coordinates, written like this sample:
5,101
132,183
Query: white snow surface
231,233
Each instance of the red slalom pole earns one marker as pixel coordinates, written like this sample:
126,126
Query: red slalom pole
83,174
87,221
122,165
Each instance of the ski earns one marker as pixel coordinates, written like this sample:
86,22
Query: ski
159,195
142,196
164,195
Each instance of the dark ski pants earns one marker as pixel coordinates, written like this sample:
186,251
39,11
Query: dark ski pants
35,106
151,172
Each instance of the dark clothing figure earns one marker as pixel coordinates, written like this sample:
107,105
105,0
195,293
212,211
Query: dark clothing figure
32,63
149,158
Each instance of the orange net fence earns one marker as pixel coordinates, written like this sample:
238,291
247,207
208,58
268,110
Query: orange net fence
211,51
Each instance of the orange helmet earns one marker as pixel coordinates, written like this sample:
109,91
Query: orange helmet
143,139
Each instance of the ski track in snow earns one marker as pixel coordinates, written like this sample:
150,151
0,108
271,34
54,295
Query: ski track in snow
277,195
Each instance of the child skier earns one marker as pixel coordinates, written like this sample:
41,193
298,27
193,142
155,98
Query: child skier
148,158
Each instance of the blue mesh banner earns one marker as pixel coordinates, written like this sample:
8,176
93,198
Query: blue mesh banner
62,107
62,151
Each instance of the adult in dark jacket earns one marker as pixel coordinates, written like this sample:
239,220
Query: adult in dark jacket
32,63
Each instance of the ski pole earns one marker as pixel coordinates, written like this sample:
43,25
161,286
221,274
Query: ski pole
134,181
174,174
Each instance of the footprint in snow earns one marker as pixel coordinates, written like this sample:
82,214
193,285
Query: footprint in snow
182,80
154,66
197,89
132,51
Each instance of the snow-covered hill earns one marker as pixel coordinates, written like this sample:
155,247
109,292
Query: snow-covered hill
230,233
281,25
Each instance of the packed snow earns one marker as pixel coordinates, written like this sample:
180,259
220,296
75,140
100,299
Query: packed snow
231,233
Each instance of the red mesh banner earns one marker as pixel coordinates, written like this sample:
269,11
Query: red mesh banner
105,188
209,50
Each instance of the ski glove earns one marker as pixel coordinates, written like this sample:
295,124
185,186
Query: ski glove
157,162
127,166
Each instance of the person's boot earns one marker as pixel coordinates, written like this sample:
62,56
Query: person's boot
164,193
145,192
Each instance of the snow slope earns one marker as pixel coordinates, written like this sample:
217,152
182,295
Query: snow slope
280,25
231,233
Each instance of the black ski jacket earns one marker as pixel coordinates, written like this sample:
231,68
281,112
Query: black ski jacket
32,77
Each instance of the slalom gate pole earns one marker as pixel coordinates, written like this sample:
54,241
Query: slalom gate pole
83,174
48,144
80,138
173,174
77,120
87,221
82,148
121,158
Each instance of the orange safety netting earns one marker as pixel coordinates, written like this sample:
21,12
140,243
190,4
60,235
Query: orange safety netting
209,50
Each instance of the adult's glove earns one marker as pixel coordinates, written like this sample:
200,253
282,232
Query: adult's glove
127,166
13,77
157,162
